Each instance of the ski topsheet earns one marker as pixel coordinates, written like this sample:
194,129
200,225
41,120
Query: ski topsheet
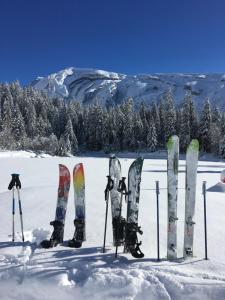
172,184
61,206
79,201
190,193
63,192
115,174
132,228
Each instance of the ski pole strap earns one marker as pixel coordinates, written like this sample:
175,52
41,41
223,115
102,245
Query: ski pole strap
109,186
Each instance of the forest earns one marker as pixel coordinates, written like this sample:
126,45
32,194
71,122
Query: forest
30,120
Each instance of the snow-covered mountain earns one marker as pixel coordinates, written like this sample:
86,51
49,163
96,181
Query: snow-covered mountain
89,85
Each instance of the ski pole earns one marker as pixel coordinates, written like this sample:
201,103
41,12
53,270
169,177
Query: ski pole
109,187
13,215
205,220
12,184
21,214
157,208
123,191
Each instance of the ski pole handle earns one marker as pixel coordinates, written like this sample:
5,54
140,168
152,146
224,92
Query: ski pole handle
122,186
15,182
109,186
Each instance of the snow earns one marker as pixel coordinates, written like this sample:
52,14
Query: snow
192,83
29,272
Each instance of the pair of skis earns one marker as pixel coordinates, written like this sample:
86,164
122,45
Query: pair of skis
124,231
61,207
190,193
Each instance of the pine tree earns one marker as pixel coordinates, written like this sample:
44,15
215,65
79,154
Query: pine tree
70,138
193,119
152,137
18,128
185,128
162,118
205,128
170,116
156,118
222,147
128,117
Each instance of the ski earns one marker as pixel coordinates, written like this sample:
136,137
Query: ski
115,196
60,214
172,185
79,201
190,192
132,228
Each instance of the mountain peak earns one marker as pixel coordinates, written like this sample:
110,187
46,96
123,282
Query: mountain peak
88,85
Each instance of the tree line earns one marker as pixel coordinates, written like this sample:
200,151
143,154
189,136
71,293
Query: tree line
30,120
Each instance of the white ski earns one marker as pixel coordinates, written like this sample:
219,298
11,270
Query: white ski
115,174
190,193
172,184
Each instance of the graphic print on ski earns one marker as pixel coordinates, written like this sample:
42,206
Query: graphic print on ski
190,192
62,199
132,228
115,174
172,185
79,202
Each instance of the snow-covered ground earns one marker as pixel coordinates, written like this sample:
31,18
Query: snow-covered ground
30,273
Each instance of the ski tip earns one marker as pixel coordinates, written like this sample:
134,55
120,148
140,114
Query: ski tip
194,145
137,162
78,167
63,168
173,139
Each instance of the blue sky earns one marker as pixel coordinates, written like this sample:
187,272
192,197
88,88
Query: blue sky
127,36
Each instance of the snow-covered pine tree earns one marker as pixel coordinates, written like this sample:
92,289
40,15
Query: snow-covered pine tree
70,138
18,128
152,136
136,142
169,116
156,118
95,126
205,128
143,116
185,130
127,110
222,147
161,136
193,118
